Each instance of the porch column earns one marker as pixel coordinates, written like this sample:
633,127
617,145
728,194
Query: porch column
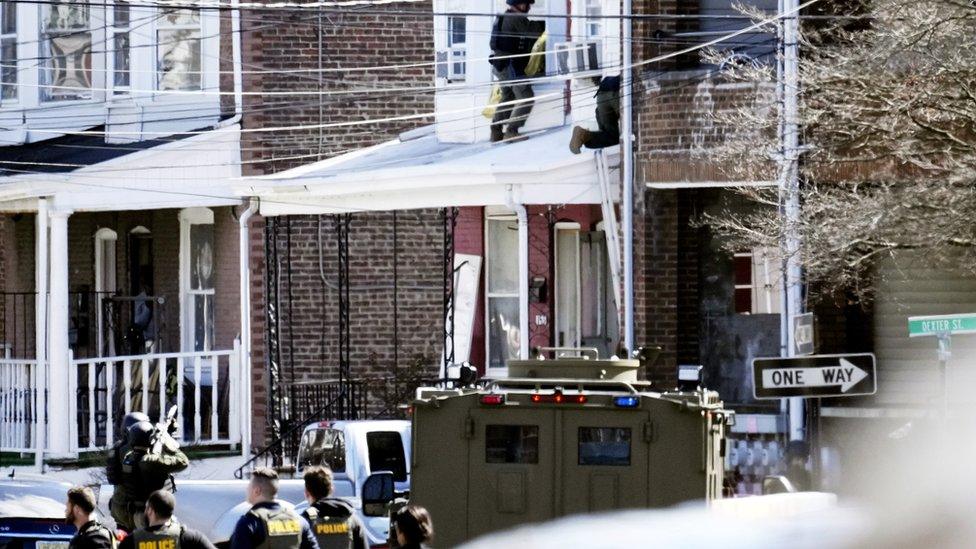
59,412
40,331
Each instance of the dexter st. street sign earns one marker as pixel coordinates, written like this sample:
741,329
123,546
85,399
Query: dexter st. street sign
814,376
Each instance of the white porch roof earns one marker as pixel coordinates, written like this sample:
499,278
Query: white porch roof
418,171
200,170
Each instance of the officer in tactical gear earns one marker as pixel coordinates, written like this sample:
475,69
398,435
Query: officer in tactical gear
268,525
78,511
331,519
113,471
153,458
163,530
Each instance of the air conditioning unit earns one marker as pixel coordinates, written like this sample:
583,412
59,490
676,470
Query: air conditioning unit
451,63
580,58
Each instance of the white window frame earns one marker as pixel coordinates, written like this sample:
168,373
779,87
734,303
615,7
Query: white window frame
143,98
494,214
112,31
558,282
188,218
105,281
765,284
7,37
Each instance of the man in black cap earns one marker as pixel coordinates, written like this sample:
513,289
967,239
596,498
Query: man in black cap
512,38
78,511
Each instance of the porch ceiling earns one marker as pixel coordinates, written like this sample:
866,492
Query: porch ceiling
421,172
197,171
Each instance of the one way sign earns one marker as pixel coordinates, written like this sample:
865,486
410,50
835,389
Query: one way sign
814,376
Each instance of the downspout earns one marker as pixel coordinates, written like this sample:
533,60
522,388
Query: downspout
627,150
235,39
40,331
245,276
523,234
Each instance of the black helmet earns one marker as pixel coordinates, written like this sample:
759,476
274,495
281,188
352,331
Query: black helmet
131,419
140,434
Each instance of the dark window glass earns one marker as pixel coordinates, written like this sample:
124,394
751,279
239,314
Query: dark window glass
511,444
743,270
604,446
743,300
323,447
386,453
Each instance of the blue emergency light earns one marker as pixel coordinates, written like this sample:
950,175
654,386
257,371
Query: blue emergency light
626,401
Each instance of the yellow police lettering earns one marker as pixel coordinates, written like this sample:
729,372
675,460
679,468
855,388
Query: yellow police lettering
167,544
332,528
147,545
280,527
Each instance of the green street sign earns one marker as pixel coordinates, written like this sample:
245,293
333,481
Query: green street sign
941,324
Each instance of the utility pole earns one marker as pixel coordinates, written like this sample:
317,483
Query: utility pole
789,192
627,173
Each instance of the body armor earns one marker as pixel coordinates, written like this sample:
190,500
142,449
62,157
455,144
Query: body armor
332,532
167,537
136,483
283,528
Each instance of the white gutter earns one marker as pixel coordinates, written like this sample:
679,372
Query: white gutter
523,233
245,298
627,173
40,331
235,38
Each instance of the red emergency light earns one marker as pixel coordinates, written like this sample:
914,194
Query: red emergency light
493,399
559,398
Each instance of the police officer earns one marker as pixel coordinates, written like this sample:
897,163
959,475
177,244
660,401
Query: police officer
331,519
163,531
78,511
268,525
147,467
113,472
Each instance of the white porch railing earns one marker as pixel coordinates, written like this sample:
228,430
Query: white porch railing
204,386
17,404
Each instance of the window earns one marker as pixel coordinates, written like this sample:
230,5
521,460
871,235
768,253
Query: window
756,278
386,453
567,271
594,21
197,261
502,290
323,447
8,52
511,444
120,54
604,446
178,50
66,51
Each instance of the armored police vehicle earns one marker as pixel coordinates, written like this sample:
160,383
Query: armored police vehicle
561,436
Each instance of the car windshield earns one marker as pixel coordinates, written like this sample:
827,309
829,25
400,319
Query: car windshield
386,453
323,447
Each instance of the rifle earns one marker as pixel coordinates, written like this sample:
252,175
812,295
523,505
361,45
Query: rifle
168,426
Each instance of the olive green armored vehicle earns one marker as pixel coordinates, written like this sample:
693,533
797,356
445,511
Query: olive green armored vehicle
561,436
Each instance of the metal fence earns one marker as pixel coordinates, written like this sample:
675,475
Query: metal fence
18,410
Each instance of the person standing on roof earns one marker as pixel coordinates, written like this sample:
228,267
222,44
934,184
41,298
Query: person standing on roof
163,530
607,119
512,37
268,524
331,519
79,510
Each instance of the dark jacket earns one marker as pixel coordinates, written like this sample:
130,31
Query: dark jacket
250,532
143,472
92,535
514,34
189,538
340,510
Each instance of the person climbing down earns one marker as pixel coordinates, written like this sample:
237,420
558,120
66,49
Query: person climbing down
513,34
607,118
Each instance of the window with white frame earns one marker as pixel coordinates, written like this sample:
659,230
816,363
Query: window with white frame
197,278
8,52
178,50
457,44
120,47
502,290
66,51
594,21
757,282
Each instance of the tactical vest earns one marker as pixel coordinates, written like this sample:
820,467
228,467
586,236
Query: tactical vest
283,528
132,481
94,527
167,537
331,532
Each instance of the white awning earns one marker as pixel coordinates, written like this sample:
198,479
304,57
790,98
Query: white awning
418,171
200,170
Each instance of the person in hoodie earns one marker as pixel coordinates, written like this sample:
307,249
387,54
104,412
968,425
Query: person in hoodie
331,519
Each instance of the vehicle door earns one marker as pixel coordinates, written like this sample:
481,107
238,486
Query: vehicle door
604,460
511,455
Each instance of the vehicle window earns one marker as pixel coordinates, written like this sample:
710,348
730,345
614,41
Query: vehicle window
604,446
323,447
511,444
386,453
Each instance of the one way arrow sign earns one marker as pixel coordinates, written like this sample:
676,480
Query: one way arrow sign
814,376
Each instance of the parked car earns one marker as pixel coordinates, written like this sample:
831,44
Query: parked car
32,514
